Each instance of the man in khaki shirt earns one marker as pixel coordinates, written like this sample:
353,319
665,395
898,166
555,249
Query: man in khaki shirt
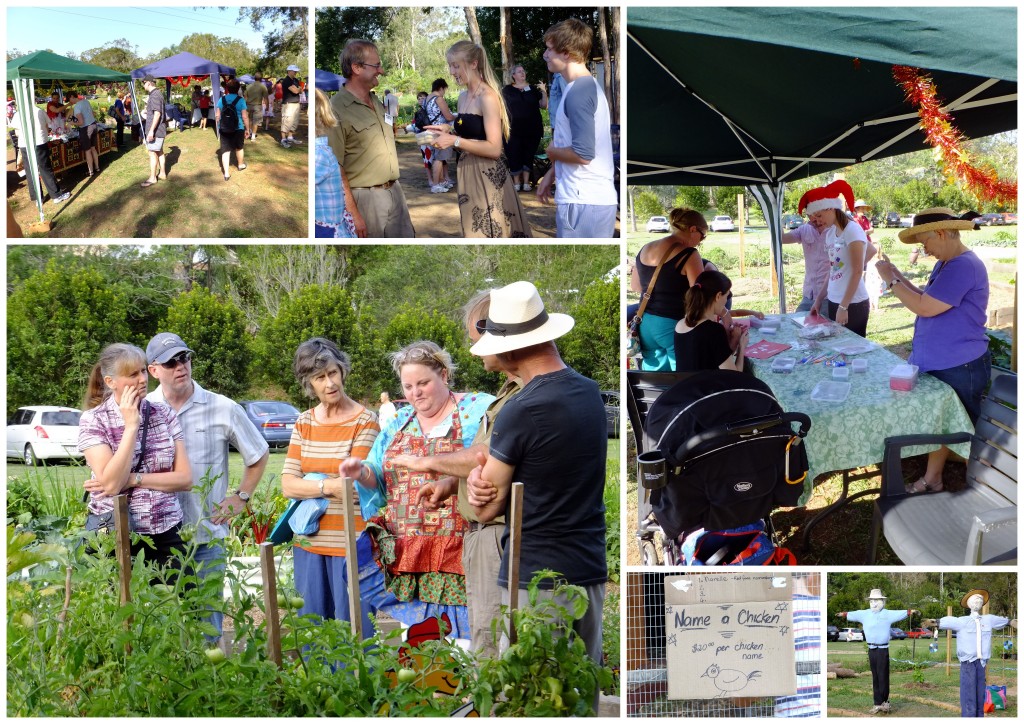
364,144
481,545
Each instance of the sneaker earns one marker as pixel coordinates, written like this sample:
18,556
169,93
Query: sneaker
448,185
438,189
885,707
62,198
284,142
295,141
875,709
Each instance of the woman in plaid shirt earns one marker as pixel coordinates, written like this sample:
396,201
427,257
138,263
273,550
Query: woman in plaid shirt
331,193
114,410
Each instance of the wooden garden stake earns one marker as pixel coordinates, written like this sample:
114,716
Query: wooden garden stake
270,602
515,526
67,602
352,561
122,541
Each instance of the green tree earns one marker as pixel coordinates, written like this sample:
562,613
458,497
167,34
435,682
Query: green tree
215,329
915,195
725,199
286,41
57,323
313,311
955,198
118,55
228,51
592,347
646,205
692,197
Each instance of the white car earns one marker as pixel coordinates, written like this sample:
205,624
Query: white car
43,432
907,221
851,634
722,223
656,224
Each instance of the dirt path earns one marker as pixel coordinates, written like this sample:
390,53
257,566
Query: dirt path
437,215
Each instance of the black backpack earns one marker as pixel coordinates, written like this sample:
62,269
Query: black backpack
229,117
421,120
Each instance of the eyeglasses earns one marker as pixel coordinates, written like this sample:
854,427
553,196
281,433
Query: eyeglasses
702,232
183,358
378,66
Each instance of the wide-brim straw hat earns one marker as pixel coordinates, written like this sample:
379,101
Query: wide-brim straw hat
936,219
877,593
517,319
975,592
861,203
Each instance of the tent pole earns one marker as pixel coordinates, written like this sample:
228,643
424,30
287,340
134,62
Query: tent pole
25,95
770,196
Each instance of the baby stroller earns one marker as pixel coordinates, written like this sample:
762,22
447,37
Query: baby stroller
730,456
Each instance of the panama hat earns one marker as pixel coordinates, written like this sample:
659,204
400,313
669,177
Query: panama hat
862,203
975,592
517,319
826,197
877,593
938,218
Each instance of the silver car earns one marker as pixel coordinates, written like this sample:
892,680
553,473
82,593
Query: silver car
43,432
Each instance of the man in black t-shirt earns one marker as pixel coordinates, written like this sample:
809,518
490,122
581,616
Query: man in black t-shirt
155,132
553,438
291,88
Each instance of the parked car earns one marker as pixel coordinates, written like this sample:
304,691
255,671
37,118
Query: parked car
851,634
722,223
990,220
897,633
1009,218
43,432
892,220
907,221
791,221
657,224
832,633
919,633
611,411
275,420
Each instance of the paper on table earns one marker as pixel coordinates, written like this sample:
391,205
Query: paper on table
765,349
855,346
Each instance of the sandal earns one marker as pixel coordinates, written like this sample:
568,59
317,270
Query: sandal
922,486
243,167
146,184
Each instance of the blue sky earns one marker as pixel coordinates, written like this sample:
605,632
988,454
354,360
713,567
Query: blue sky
77,28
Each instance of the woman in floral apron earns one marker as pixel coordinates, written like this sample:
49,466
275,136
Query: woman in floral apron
419,550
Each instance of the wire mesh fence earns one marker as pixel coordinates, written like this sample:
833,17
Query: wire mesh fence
647,680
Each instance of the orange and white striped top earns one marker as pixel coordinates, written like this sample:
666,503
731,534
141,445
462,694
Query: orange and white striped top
317,447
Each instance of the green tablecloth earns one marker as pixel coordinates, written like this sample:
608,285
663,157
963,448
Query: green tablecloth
852,433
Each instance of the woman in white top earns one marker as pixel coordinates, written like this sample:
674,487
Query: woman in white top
847,249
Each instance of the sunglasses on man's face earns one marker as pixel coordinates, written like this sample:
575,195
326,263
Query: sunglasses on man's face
183,358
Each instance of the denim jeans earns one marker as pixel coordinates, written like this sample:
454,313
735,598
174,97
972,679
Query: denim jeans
969,381
209,560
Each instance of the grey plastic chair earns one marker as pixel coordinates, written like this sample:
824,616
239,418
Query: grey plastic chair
973,526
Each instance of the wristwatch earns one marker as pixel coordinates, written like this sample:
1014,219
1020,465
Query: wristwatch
138,479
895,280
322,493
243,496
843,309
458,139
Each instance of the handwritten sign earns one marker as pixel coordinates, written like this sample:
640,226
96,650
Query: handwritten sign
729,635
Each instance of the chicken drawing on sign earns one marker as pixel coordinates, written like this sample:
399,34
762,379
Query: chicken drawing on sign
729,681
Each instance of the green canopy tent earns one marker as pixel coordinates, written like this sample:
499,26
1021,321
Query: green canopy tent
43,65
759,96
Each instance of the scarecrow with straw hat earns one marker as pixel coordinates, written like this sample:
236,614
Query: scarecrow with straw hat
949,333
973,648
877,621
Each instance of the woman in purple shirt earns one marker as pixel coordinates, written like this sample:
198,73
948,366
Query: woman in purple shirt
111,435
949,334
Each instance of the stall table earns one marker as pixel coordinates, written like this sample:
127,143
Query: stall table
851,434
68,154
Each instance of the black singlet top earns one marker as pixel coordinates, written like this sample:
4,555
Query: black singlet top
471,126
669,293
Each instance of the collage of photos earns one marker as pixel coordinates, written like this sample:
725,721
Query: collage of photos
426,360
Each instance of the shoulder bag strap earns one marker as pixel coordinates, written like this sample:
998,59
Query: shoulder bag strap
650,286
146,407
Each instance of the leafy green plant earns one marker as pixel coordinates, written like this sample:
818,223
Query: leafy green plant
1001,347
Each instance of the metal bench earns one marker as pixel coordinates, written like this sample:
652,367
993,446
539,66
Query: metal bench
973,526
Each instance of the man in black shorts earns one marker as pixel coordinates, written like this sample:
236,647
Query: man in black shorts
552,437
156,131
233,125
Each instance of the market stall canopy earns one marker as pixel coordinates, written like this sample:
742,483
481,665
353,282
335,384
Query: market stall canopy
327,81
764,95
246,79
182,64
44,65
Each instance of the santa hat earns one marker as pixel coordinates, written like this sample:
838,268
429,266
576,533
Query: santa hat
826,197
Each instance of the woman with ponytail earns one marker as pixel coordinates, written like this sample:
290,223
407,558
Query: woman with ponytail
488,201
136,448
701,342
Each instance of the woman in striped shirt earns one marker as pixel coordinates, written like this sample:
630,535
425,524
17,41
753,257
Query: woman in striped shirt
324,436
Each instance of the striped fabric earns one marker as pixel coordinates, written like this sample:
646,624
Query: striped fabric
316,447
807,640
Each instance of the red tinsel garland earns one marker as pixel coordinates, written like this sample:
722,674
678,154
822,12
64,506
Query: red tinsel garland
185,80
947,141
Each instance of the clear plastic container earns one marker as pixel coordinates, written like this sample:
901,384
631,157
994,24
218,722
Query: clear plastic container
769,329
903,377
425,138
840,373
831,391
859,365
783,364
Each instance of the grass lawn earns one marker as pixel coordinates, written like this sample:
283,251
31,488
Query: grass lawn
930,691
268,199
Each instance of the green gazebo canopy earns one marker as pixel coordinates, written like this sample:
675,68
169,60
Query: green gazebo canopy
44,65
